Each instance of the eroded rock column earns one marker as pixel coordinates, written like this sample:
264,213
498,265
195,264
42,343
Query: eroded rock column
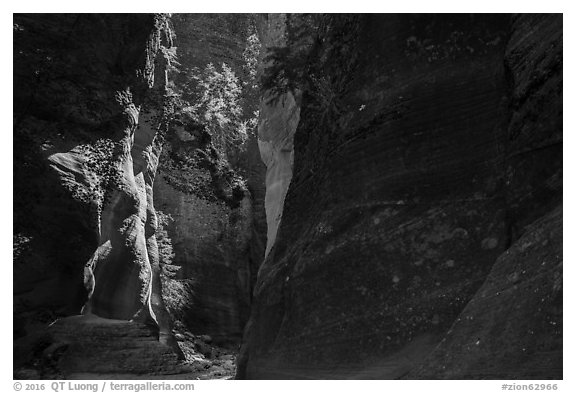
123,274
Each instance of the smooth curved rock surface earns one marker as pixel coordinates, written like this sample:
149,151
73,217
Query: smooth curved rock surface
123,274
89,105
277,123
400,203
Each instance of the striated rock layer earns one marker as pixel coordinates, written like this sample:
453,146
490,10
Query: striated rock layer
83,347
512,327
425,148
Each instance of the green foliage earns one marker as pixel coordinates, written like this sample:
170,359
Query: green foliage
319,63
318,45
19,245
171,57
250,56
165,250
223,98
177,294
289,67
101,165
218,106
178,298
251,89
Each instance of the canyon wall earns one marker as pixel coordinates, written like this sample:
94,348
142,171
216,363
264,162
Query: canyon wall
100,108
421,232
215,198
210,230
90,115
279,117
404,189
513,324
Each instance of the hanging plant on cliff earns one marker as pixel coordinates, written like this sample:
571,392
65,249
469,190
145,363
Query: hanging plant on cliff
250,55
165,250
319,61
101,167
218,106
289,67
177,294
250,85
317,45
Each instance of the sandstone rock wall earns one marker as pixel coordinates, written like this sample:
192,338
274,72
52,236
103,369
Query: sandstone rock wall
211,244
90,117
407,188
216,201
533,62
513,324
278,120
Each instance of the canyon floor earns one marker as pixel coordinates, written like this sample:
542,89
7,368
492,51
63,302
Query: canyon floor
89,347
206,361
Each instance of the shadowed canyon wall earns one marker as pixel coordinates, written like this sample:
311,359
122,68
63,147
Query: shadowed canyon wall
396,212
513,324
90,115
421,232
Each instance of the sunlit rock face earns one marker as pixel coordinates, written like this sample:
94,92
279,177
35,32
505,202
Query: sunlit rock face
119,276
278,122
407,190
210,38
89,110
216,201
279,117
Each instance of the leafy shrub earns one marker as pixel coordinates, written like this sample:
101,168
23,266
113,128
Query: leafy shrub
318,45
177,294
250,55
218,106
19,245
101,166
165,250
223,97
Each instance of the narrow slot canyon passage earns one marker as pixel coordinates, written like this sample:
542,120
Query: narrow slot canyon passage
288,196
209,188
